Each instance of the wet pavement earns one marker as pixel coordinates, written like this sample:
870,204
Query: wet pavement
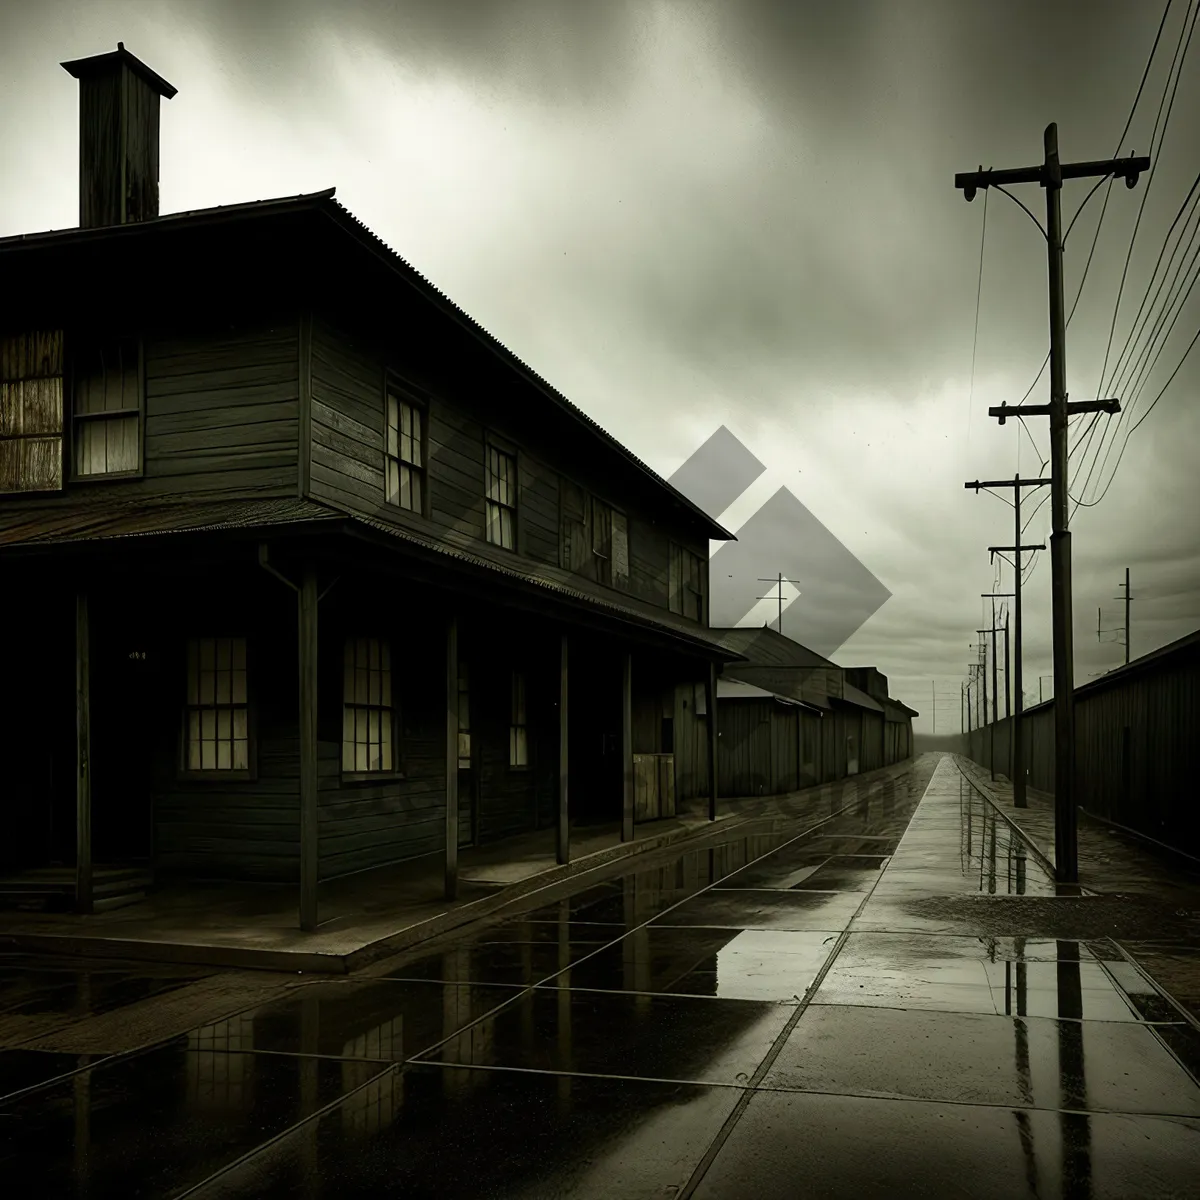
891,1001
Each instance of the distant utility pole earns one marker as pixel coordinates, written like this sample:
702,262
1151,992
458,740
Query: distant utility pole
983,646
1017,741
1128,597
933,702
1050,174
779,581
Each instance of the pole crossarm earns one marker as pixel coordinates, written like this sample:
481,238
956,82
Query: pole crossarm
1053,174
999,483
1006,410
1014,549
997,595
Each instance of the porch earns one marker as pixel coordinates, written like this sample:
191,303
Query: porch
215,738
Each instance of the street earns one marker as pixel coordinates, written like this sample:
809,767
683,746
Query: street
889,1001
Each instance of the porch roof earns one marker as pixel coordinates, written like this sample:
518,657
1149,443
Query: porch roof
45,528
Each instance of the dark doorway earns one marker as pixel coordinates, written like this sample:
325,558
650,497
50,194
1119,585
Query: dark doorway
124,688
594,721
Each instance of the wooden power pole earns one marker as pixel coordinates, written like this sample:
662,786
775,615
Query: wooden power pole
1050,174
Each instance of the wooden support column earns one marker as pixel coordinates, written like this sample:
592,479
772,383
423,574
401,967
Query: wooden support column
452,758
83,756
309,833
627,750
710,704
563,825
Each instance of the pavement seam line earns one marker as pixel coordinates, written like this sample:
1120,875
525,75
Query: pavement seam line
730,1123
628,933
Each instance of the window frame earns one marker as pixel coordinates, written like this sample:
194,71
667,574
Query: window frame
71,418
405,393
396,771
678,586
63,442
492,443
464,715
215,776
515,676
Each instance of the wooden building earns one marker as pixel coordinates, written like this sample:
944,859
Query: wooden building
304,572
788,718
1137,746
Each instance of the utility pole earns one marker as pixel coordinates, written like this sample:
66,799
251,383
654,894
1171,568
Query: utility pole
1018,734
1050,174
1007,677
983,646
1128,597
779,581
933,702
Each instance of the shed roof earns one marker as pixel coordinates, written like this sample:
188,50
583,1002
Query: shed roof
328,217
766,647
860,699
733,689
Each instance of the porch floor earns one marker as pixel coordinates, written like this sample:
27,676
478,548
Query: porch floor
257,925
366,916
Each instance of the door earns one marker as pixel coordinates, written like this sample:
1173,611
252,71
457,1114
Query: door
468,773
124,671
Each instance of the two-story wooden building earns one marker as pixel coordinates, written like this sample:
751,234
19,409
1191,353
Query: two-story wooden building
301,571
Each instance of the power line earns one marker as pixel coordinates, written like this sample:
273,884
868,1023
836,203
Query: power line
1112,431
975,339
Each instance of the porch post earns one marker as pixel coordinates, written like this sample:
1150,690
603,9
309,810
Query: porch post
452,758
627,750
563,828
83,757
710,703
309,853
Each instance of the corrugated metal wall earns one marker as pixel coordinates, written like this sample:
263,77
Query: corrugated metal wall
1137,750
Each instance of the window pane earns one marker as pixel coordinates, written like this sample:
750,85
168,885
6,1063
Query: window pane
239,654
360,756
193,757
208,724
224,724
241,755
392,484
385,758
360,726
208,654
506,528
223,682
417,419
416,483
464,746
122,443
224,756
239,687
208,756
241,720
386,684
362,685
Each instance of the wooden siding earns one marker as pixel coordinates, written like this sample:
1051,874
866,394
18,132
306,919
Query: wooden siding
1144,780
691,743
222,413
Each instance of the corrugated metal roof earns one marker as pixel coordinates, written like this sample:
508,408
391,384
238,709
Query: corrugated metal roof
809,684
345,220
129,519
732,689
767,647
552,580
860,699
348,220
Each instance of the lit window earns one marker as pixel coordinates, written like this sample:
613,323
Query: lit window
106,408
217,716
518,733
368,717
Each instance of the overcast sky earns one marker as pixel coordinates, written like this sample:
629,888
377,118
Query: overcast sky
686,215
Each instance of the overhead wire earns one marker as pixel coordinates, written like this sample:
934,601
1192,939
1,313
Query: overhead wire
1113,428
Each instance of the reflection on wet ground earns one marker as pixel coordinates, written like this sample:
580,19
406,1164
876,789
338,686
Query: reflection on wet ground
836,1007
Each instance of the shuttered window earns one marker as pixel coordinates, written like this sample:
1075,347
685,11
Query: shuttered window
31,412
106,410
217,713
518,732
602,520
405,453
686,583
368,716
501,498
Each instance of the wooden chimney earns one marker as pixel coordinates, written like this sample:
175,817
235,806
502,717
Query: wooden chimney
118,137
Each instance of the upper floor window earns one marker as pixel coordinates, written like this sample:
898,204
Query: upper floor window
368,717
687,583
217,712
106,409
405,453
602,523
501,497
31,412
